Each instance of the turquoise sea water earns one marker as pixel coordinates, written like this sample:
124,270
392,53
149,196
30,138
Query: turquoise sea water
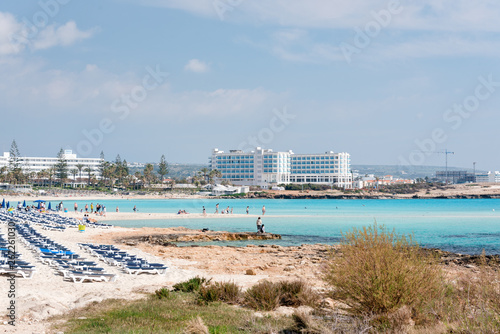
461,225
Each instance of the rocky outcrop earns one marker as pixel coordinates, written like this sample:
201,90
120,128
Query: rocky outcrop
173,238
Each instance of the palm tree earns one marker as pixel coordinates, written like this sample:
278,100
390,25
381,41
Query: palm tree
213,175
205,172
50,174
80,167
88,171
73,172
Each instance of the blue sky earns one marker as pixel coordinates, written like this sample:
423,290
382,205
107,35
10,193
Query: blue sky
377,79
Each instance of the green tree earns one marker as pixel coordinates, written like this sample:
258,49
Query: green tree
148,174
74,172
213,175
88,170
162,168
205,172
61,167
15,163
80,168
102,166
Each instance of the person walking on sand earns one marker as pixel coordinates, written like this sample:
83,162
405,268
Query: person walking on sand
248,209
76,208
86,208
117,210
217,208
259,225
204,211
263,210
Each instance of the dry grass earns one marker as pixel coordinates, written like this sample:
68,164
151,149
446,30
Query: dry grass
264,296
381,273
476,301
196,326
227,292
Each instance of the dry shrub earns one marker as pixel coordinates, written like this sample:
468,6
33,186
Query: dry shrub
305,323
263,296
380,272
268,296
196,326
227,292
476,301
297,293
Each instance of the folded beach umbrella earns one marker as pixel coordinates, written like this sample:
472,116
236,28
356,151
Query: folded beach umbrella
8,205
50,207
24,204
39,205
3,203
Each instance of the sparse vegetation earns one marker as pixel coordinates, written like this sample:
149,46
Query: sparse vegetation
380,272
227,292
191,285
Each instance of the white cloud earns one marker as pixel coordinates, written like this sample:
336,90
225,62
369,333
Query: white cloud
8,27
16,36
64,35
197,66
442,15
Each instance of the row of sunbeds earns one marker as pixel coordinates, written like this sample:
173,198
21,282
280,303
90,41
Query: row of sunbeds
52,221
11,262
130,264
70,265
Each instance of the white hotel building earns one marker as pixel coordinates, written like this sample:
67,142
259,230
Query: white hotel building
37,164
266,168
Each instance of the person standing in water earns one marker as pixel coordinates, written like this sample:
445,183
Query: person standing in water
263,210
248,209
217,208
204,211
259,225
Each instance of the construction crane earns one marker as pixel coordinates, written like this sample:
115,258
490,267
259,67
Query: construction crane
445,152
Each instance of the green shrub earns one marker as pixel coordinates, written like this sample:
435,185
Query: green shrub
163,293
191,285
263,296
380,272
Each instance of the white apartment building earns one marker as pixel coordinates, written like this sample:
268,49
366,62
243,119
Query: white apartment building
493,177
37,164
265,168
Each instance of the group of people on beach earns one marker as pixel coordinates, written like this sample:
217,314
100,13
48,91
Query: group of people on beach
228,211
100,210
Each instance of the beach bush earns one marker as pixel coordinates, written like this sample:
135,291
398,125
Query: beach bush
264,296
267,296
227,292
192,285
163,293
297,293
379,274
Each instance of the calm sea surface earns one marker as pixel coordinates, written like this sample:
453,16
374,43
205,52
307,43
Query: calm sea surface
463,225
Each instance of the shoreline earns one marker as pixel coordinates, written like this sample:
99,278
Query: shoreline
460,191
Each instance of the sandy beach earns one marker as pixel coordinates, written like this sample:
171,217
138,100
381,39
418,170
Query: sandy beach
47,294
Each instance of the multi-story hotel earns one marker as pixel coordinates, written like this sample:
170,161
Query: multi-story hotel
37,164
265,168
